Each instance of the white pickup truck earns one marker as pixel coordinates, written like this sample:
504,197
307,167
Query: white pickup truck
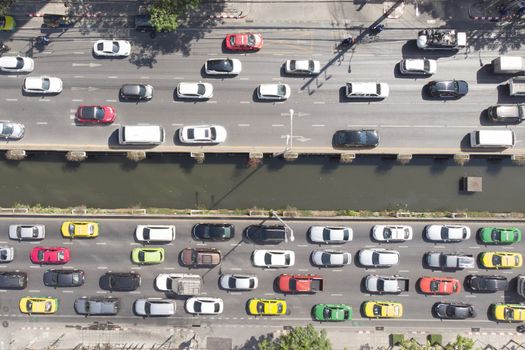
450,261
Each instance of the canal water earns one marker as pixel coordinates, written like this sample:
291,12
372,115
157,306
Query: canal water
176,181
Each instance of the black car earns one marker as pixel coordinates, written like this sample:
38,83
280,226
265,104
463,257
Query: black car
63,278
120,281
457,311
447,88
13,280
355,138
265,234
136,92
213,232
478,283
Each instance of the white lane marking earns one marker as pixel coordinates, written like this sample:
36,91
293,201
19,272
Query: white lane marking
233,244
77,100
177,124
243,125
101,243
41,123
67,291
276,79
211,102
3,291
402,246
169,268
101,292
277,125
44,100
144,77
11,99
319,102
68,243
34,291
78,76
236,269
336,295
318,125
303,269
475,247
231,293
404,271
244,102
362,126
178,78
302,245
269,293
78,52
135,292
396,126
111,100
244,78
470,296
112,77
134,243
102,268
11,76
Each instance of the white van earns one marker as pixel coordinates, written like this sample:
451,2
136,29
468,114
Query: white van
367,90
508,65
492,138
141,135
155,233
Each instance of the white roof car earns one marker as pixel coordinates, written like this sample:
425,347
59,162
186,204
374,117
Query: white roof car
273,91
42,85
378,257
10,130
16,64
367,90
447,233
178,283
112,48
222,66
154,307
330,234
7,254
155,233
194,90
449,260
330,258
202,134
302,67
238,282
204,306
418,66
392,233
273,258
27,232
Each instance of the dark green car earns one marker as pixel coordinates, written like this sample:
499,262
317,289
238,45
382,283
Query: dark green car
494,235
332,312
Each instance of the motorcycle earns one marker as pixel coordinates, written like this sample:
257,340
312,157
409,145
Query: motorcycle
377,29
42,40
521,329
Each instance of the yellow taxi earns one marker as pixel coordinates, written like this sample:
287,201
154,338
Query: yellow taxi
38,305
508,312
7,23
500,260
382,309
266,307
80,229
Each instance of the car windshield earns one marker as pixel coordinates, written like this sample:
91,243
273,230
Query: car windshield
197,306
41,255
232,40
93,112
287,259
325,259
281,90
7,129
444,232
169,283
142,256
375,258
376,310
115,47
45,84
19,62
213,132
380,284
434,286
221,65
146,233
426,65
326,234
3,254
509,313
147,307
327,313
496,260
60,255
260,307
251,40
2,21
387,233
201,89
495,235
216,307
279,307
48,306
268,259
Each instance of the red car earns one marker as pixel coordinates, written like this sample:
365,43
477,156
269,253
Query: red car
300,283
50,255
96,114
244,41
439,285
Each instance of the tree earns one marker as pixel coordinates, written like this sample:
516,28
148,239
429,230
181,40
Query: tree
5,5
165,14
461,343
299,338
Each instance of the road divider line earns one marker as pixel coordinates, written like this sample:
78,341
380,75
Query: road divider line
135,243
336,270
402,246
112,77
11,99
245,102
34,291
78,52
101,243
244,78
44,100
178,78
362,125
336,295
102,268
169,268
475,247
78,76
269,293
144,77
211,102
318,125
277,125
111,100
404,271
470,296
236,269
177,124
67,291
302,245
319,102
77,100
304,270
101,292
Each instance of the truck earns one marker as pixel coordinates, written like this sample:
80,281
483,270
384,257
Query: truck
179,283
449,261
300,283
508,65
517,86
386,284
520,284
441,39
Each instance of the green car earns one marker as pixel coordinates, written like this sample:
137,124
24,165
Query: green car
494,235
147,255
332,312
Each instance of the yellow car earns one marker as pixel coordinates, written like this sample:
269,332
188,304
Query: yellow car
266,307
382,309
37,305
81,229
508,312
500,260
7,23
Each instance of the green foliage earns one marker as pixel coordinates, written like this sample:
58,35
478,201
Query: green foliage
299,338
396,339
461,343
165,14
435,339
5,5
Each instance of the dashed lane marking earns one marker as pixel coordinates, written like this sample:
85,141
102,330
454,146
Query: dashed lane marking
111,100
102,268
244,78
11,99
318,125
67,291
277,125
319,102
77,100
101,243
112,77
101,292
34,291
78,76
236,269
44,100
78,52
336,295
244,102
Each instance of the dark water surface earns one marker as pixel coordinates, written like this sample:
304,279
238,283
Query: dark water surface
176,181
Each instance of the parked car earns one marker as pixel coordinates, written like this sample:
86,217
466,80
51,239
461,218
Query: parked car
11,131
112,48
79,229
197,91
147,256
50,255
456,311
204,306
179,283
16,64
330,258
330,234
495,235
382,309
151,307
42,85
120,281
277,91
202,134
7,254
332,312
367,90
139,92
447,88
238,282
508,312
38,305
439,285
155,233
13,280
97,306
386,284
64,278
447,233
418,66
95,114
306,283
7,23
266,307
302,67
200,257
392,233
378,257
273,258
500,260
244,41
514,113
23,232
449,261
480,283
213,232
355,138
265,234
222,66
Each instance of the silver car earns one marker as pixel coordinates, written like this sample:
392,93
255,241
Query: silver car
148,307
302,67
507,113
378,257
27,232
330,258
330,234
276,92
238,282
418,66
7,254
97,306
11,131
447,233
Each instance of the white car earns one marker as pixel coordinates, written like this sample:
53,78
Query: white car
155,233
273,258
418,66
273,91
204,306
378,257
238,282
27,232
447,233
16,64
330,234
202,134
112,48
42,85
198,90
178,282
7,254
330,258
11,131
302,67
154,307
222,66
392,233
